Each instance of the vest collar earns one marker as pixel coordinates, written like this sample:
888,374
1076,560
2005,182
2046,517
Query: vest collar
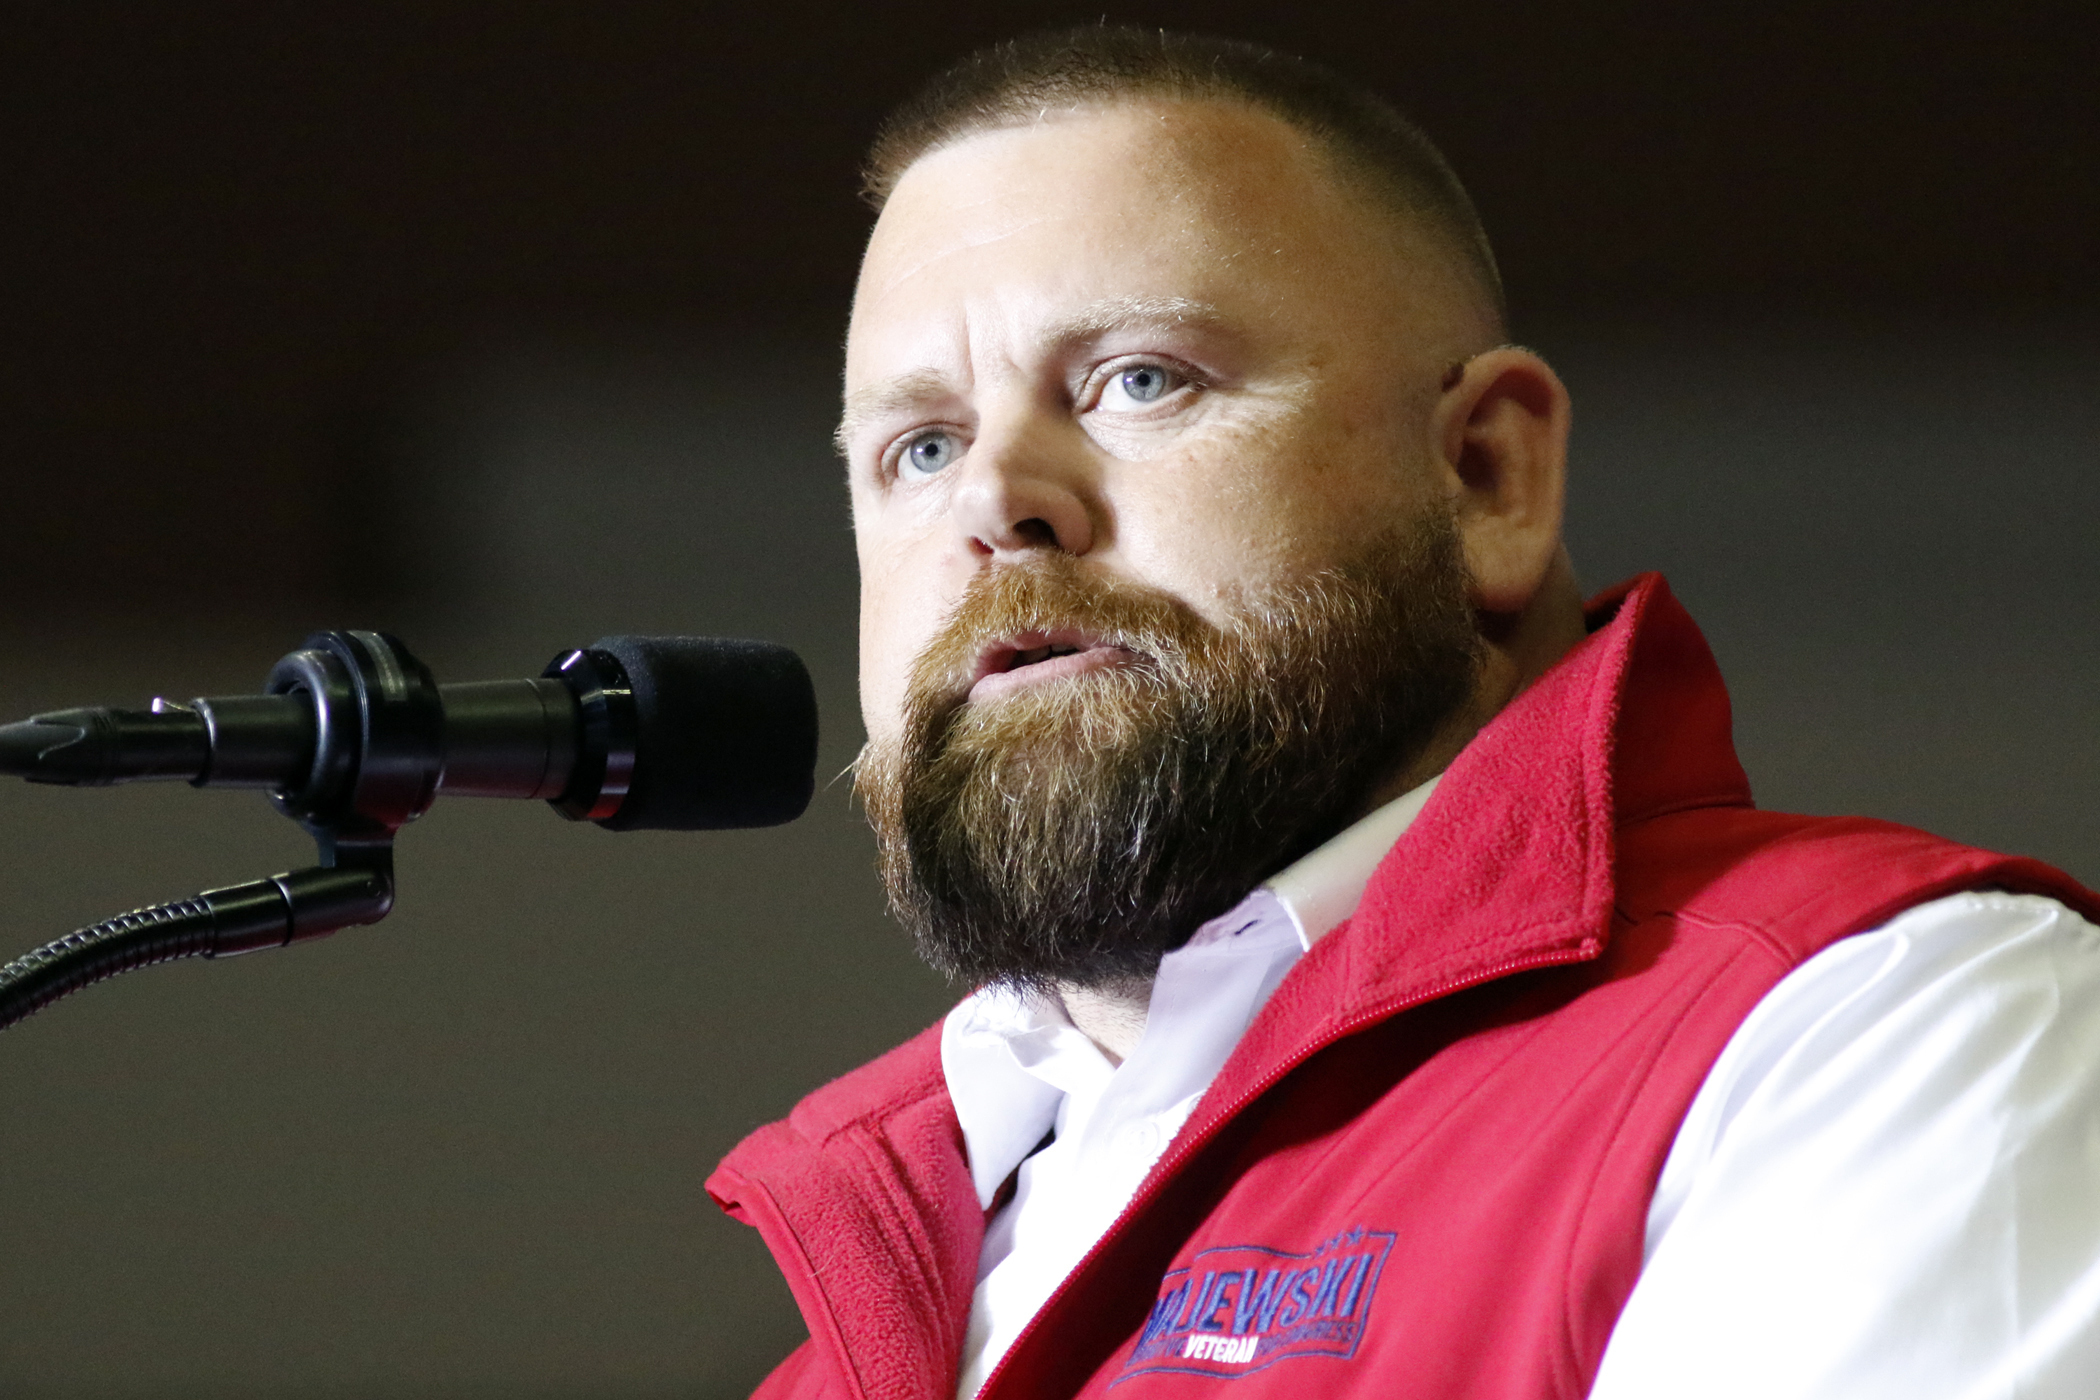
1510,865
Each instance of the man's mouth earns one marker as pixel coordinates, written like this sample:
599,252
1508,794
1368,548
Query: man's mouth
1032,658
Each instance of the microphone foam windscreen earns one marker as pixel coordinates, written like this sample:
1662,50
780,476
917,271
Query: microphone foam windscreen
725,733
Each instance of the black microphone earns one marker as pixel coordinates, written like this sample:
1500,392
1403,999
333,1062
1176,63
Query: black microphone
634,733
353,738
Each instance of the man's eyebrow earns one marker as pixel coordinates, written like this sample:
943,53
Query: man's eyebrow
1137,312
879,400
1096,319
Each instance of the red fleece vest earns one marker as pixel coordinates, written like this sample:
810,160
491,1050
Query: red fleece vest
1425,1171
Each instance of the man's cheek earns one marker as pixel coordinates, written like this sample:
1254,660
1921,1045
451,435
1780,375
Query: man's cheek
880,690
893,636
883,681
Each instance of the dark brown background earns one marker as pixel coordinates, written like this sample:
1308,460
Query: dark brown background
508,326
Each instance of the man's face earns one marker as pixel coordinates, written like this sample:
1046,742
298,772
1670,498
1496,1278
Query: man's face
1157,338
1158,584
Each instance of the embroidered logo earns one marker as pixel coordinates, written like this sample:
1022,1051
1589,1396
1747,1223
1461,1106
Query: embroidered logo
1238,1309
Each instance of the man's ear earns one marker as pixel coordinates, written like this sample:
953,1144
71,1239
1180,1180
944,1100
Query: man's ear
1501,429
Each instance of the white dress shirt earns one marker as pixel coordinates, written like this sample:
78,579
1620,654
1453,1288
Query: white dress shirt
1888,1188
1888,1185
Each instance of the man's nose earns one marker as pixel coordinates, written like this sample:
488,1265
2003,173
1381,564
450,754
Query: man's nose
1023,489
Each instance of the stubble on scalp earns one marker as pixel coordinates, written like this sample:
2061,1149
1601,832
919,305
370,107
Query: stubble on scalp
1078,830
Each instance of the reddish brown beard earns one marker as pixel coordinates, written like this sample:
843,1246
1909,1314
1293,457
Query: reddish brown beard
1078,830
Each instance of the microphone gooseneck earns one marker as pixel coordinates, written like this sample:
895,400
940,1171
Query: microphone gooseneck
246,918
353,739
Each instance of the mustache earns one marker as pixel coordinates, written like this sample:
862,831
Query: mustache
1052,594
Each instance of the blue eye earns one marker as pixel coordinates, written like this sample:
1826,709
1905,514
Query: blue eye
1138,386
1144,383
928,453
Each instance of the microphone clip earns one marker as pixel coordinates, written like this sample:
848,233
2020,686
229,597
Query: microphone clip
378,743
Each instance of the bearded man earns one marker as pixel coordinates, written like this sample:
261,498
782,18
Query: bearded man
1384,984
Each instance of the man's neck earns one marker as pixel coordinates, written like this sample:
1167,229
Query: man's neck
1113,1017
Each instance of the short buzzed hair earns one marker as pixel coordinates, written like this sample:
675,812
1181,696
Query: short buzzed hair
1014,83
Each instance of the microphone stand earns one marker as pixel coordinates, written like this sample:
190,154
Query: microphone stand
378,756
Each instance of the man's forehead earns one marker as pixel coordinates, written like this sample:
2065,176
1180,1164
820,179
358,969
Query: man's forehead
1137,201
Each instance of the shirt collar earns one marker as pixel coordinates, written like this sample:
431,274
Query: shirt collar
1323,887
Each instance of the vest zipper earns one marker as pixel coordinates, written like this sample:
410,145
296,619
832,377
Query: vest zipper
1185,1148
